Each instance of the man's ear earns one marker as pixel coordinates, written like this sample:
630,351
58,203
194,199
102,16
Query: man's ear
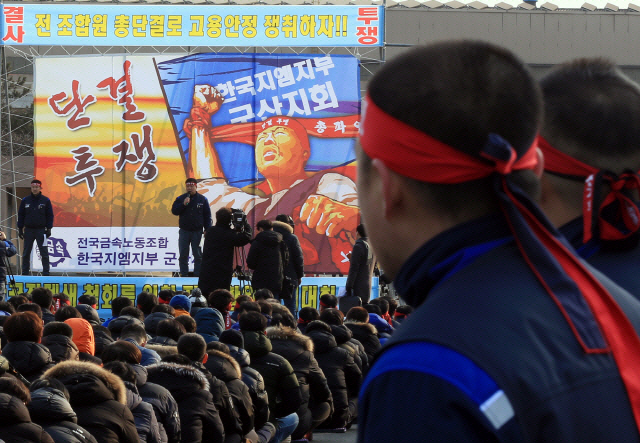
392,188
539,170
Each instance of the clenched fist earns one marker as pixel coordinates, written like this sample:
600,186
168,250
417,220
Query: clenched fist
328,216
208,98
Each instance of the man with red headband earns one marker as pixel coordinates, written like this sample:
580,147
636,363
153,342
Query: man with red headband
35,221
323,204
590,188
513,338
195,218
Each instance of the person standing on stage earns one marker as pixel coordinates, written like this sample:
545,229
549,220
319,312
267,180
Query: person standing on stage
195,218
35,221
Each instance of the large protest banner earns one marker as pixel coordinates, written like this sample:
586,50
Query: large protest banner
105,289
116,136
191,25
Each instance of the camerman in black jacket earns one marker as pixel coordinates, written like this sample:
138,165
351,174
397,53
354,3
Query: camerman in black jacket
217,255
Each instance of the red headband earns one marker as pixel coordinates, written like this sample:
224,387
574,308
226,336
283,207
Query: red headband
414,154
561,163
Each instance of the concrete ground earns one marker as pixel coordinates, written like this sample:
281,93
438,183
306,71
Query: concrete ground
349,437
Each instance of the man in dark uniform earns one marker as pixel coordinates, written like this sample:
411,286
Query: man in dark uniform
220,242
514,338
195,217
35,221
361,266
591,160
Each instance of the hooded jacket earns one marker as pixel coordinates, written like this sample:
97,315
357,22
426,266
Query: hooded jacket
344,339
102,340
50,409
151,322
199,419
298,350
210,324
28,358
84,339
61,347
225,368
255,382
268,257
280,382
143,415
99,399
16,425
164,405
343,375
367,335
295,266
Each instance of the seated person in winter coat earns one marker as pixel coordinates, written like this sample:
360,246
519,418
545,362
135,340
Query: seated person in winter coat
158,314
164,405
194,347
143,413
99,398
50,408
43,297
252,378
136,334
102,338
199,418
343,375
24,350
117,304
90,314
375,318
317,403
209,324
84,339
363,331
57,337
305,316
344,338
146,301
181,304
280,381
167,333
15,421
222,300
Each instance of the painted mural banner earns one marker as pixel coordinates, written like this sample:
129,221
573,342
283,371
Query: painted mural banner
105,289
191,25
116,137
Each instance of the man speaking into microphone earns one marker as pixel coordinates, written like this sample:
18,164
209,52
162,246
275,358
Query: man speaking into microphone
195,217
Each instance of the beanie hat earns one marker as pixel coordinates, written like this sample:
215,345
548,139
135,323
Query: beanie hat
233,338
180,302
197,299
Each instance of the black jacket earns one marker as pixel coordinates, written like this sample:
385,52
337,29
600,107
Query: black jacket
50,409
99,398
164,405
151,321
361,266
268,257
343,375
367,335
143,415
298,350
199,418
196,216
255,382
295,266
16,425
35,212
217,256
61,347
344,338
226,368
280,382
28,358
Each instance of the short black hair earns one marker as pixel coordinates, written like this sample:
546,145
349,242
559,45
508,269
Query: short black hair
57,327
249,306
146,302
188,322
31,307
265,307
382,303
284,319
317,325
308,314
262,294
166,295
265,225
220,299
122,370
193,346
361,231
133,312
329,300
17,301
358,314
43,297
171,328
232,337
123,351
166,308
223,217
67,312
14,387
134,331
118,304
393,303
373,309
86,299
218,346
252,321
332,316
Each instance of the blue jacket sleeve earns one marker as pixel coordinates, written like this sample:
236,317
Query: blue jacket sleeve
7,249
178,205
49,214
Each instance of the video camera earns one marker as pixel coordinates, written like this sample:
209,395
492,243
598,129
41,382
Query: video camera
238,219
